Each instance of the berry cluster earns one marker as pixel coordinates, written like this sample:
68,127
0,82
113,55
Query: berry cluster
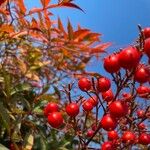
123,123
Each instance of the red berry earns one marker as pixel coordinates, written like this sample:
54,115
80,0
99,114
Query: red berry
146,32
93,100
129,57
142,74
72,109
143,91
50,107
128,137
144,139
140,113
118,109
111,63
108,95
87,106
112,135
103,84
90,133
147,47
142,126
108,123
84,84
127,97
94,127
55,119
107,146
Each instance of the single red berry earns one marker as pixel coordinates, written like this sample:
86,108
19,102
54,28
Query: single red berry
55,119
146,32
142,74
94,127
12,147
142,126
108,95
143,91
128,137
84,84
107,146
129,57
144,139
112,135
127,97
118,109
108,122
147,47
72,109
50,107
111,63
90,133
87,106
140,113
103,84
93,100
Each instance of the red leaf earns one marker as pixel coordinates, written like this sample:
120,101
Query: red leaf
100,48
45,2
35,10
80,34
2,1
21,5
72,5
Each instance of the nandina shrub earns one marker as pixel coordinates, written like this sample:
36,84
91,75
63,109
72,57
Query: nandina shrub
38,112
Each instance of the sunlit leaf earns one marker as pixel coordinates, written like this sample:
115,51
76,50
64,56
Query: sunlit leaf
29,141
2,147
6,28
45,2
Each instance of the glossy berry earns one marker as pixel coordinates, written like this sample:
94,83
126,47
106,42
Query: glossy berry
144,139
103,84
72,109
112,135
108,95
129,57
127,96
142,74
111,63
146,32
55,119
84,84
147,47
50,107
128,137
108,122
143,91
93,100
118,109
142,126
90,133
87,106
107,146
140,113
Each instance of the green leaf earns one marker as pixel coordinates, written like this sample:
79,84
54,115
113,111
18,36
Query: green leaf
2,147
5,116
29,141
20,88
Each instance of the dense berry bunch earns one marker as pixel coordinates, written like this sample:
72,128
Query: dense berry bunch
112,115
